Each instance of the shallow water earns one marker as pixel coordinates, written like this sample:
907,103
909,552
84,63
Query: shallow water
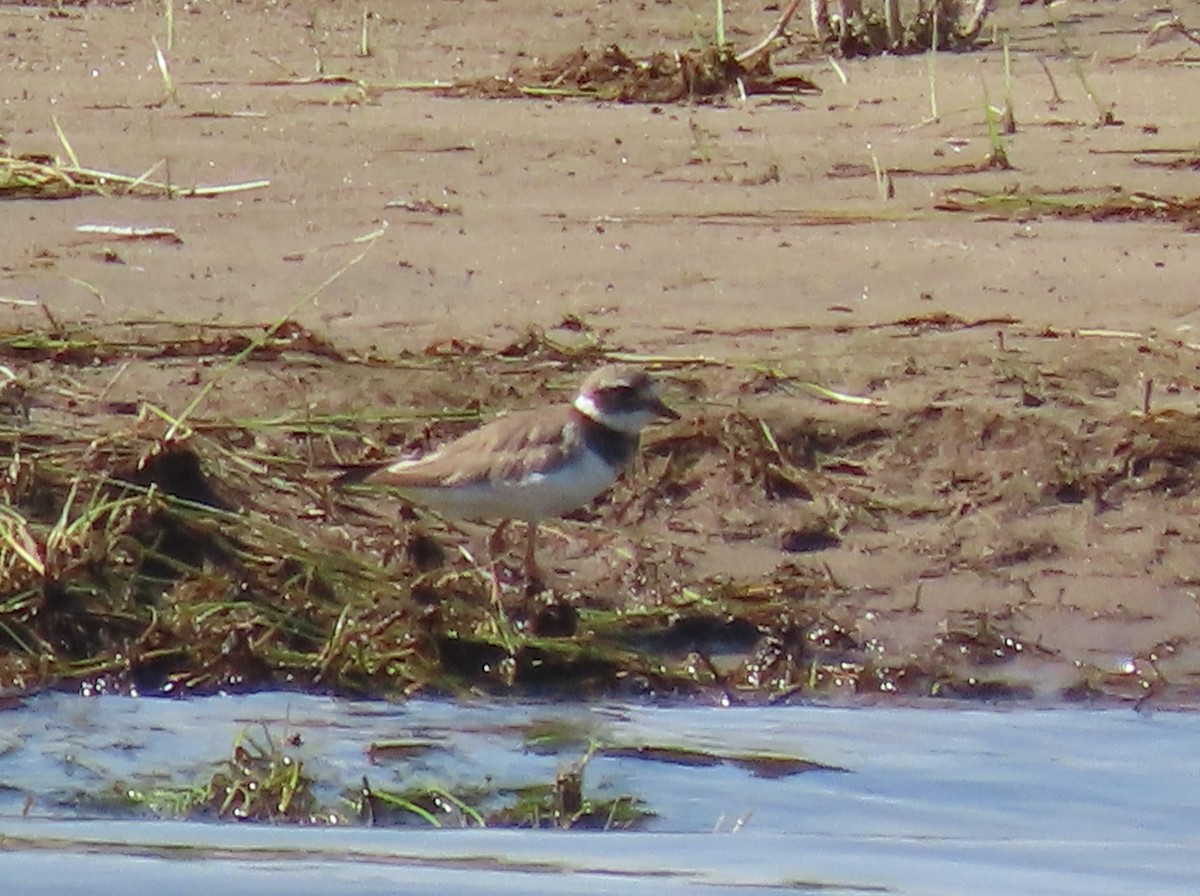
927,802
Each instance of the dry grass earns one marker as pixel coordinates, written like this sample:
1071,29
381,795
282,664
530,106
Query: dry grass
218,558
46,177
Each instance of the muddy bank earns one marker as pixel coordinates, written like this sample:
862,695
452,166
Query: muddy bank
940,415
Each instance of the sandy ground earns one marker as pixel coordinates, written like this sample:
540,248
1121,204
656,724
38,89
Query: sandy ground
1004,477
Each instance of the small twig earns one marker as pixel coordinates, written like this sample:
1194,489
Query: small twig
364,40
1162,30
934,118
776,31
883,180
130,233
66,144
141,178
84,285
819,13
838,70
103,393
168,84
1009,122
998,157
131,182
834,397
975,24
55,324
274,60
1104,112
314,79
895,27
219,190
1056,99
213,113
266,335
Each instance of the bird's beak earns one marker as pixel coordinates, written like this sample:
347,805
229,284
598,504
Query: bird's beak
663,411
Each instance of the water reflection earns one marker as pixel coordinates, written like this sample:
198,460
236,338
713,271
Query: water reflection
927,802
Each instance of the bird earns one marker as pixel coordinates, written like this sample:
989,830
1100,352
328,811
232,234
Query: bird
531,465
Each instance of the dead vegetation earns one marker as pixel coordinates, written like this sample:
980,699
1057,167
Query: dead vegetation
718,69
44,176
858,29
219,559
1107,205
267,778
611,74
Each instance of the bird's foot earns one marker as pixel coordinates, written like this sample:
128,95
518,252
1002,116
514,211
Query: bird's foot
534,584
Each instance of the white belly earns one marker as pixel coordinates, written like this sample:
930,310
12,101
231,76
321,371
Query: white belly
537,496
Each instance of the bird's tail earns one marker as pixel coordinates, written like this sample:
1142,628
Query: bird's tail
358,474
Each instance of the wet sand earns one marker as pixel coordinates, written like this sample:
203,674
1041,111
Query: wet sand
1002,494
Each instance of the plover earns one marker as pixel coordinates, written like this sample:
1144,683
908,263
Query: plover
535,464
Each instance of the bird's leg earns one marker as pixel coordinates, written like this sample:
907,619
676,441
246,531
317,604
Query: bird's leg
533,575
495,542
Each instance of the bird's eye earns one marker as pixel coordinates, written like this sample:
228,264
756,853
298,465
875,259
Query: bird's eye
626,399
